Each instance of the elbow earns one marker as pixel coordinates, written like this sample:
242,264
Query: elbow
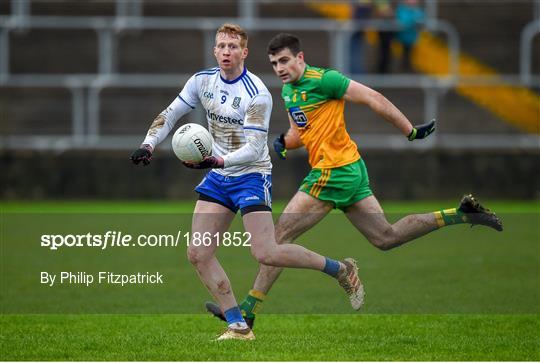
254,155
257,147
376,98
377,101
258,151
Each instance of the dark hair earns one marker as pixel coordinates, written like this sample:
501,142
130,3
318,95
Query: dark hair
282,41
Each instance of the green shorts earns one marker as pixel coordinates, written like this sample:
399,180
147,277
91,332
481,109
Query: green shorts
342,186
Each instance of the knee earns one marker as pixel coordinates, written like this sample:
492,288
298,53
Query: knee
265,256
196,255
386,240
381,245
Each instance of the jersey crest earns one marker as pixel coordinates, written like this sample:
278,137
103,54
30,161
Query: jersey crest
236,102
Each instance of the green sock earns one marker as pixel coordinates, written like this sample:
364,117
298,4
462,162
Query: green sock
447,217
252,303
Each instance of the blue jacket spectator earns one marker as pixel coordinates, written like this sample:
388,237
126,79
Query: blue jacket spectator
411,17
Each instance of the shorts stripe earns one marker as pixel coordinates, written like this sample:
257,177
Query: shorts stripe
315,185
321,182
267,197
325,181
267,192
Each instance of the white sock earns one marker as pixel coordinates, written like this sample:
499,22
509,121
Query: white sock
238,326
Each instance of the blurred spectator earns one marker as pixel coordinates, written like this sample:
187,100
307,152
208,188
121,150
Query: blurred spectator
383,10
410,16
361,10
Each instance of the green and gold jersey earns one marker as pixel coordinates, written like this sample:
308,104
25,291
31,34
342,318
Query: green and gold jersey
315,105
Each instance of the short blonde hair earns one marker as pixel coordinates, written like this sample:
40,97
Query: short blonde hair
234,29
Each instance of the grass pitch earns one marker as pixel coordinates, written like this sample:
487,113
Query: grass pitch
456,294
279,337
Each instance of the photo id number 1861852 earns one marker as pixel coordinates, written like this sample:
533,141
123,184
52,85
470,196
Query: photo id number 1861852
227,239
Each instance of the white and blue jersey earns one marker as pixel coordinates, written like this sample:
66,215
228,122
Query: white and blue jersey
238,115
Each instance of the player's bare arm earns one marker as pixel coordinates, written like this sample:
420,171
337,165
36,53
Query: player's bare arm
358,93
292,137
288,140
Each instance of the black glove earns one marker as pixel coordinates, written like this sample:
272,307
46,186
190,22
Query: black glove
279,147
207,162
144,154
422,131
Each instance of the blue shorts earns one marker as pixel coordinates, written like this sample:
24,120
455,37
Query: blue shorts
250,192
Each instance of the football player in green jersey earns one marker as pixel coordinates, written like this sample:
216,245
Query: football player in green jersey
314,98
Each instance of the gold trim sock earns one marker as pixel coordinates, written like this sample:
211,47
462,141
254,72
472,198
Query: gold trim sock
447,217
252,303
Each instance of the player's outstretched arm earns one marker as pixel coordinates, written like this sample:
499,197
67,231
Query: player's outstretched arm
159,129
165,121
358,93
144,153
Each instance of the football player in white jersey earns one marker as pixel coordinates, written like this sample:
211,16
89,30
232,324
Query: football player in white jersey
238,108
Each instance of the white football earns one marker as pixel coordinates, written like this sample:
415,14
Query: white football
191,143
